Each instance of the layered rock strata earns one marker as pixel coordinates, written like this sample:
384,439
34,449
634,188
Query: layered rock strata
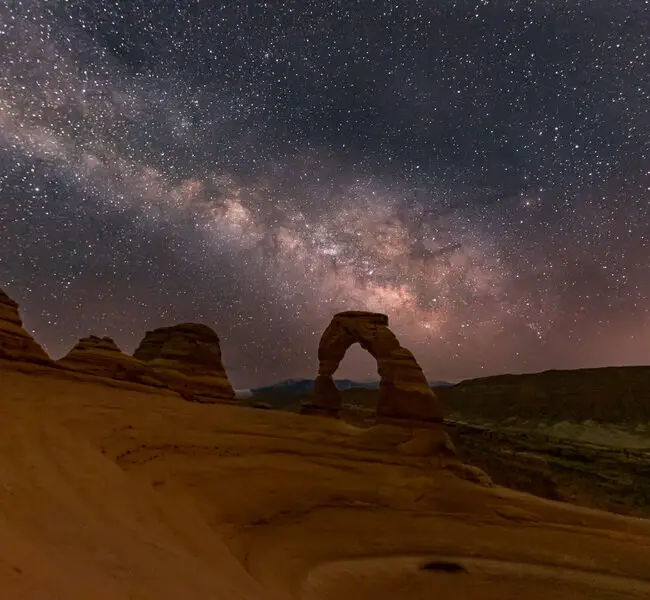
15,342
101,356
404,393
187,358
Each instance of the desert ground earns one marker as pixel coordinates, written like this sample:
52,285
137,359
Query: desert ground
115,490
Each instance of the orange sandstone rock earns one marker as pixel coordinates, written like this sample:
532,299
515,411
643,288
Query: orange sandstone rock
187,358
16,343
102,357
405,394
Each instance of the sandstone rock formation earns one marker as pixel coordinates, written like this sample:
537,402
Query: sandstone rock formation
112,493
404,393
187,358
102,357
15,342
600,465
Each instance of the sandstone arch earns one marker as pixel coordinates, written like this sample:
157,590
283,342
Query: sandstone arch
404,392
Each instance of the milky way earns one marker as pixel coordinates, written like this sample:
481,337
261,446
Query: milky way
477,170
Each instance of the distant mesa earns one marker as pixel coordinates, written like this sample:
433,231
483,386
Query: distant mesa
404,393
187,358
606,394
100,356
15,342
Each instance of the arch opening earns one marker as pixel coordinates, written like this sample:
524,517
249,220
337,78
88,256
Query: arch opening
404,393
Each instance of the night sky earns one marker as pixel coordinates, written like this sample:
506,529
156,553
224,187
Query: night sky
479,171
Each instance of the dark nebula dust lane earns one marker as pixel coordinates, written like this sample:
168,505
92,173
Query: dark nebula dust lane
477,170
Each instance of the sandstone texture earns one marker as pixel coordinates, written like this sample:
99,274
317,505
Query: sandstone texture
599,464
404,393
187,358
110,493
100,356
16,343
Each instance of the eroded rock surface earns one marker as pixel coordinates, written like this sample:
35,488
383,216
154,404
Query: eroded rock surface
187,358
404,393
114,493
612,478
101,356
15,342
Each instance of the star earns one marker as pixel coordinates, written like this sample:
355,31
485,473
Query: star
476,171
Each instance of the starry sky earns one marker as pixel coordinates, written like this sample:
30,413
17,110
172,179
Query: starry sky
478,170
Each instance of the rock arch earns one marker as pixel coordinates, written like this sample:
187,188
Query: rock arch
404,393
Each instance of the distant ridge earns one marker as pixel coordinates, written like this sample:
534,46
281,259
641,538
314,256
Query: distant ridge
300,386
